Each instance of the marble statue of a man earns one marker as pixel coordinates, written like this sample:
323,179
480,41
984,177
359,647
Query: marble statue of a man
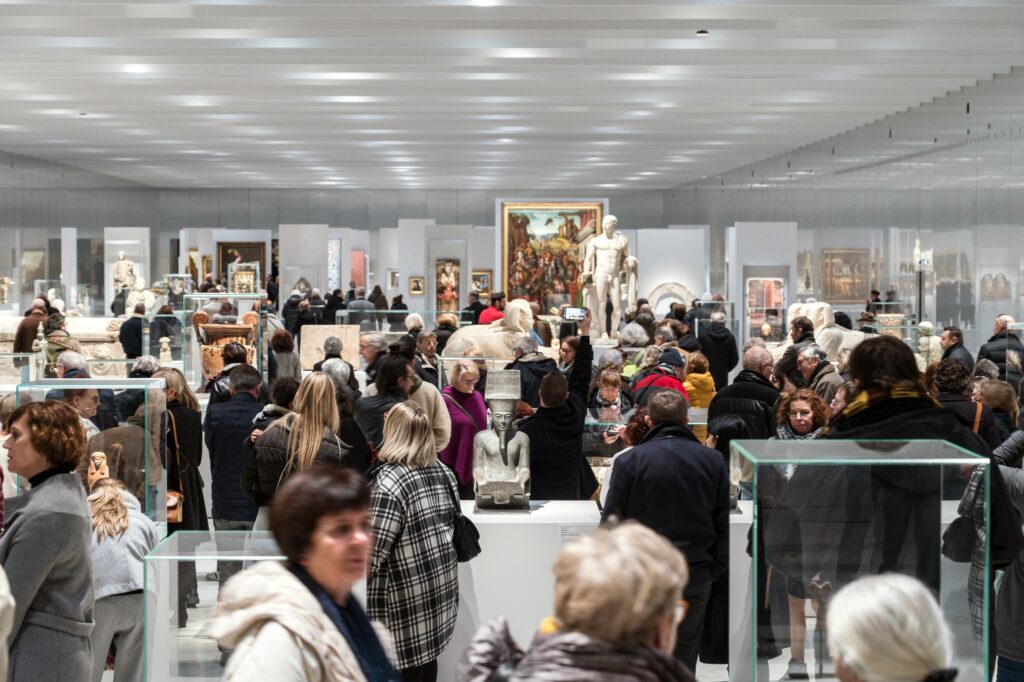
124,272
606,259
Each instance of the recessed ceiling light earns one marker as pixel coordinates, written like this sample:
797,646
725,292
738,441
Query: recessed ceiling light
83,113
703,33
136,68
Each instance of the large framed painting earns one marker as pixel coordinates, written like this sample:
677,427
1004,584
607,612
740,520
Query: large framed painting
449,276
845,275
541,249
240,252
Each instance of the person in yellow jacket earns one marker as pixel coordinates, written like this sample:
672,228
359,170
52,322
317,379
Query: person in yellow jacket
700,387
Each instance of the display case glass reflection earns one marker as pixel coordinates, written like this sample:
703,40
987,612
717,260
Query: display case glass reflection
213,320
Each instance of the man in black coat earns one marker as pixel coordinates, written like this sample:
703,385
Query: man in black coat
471,313
334,303
533,366
719,346
952,342
801,330
332,350
673,484
130,334
556,428
1006,350
751,395
953,380
227,426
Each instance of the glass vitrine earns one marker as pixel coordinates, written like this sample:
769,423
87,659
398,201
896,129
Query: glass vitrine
483,363
18,368
390,320
830,511
126,426
212,320
702,312
181,600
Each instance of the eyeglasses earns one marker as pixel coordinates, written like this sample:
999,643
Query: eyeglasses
803,414
680,612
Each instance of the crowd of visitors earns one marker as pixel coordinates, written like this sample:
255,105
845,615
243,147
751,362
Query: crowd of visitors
364,480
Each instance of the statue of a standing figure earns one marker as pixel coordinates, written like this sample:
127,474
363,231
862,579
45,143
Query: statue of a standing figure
607,258
124,272
501,457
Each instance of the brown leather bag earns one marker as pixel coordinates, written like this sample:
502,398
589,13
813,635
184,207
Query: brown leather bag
175,500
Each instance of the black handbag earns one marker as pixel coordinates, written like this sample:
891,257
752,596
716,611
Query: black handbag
466,538
958,540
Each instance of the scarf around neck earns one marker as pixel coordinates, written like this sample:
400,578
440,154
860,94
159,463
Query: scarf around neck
786,432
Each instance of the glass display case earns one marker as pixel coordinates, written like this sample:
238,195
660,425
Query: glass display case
766,308
177,284
126,424
54,290
830,511
179,607
212,320
126,266
170,326
388,320
244,278
705,309
18,368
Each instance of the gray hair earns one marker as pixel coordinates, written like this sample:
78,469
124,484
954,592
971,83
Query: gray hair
814,352
146,363
413,321
718,317
360,292
333,345
633,335
611,358
754,341
664,333
337,370
376,340
754,357
525,343
889,628
69,359
987,369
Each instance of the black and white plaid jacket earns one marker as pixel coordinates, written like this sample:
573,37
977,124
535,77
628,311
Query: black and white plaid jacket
413,584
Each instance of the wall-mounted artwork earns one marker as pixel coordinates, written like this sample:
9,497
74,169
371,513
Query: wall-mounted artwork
449,276
417,286
207,266
845,275
240,252
194,266
766,308
357,264
481,283
995,287
540,249
33,267
805,270
275,257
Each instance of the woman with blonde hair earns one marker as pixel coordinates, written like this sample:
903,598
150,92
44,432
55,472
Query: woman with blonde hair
295,442
617,608
122,536
468,412
412,586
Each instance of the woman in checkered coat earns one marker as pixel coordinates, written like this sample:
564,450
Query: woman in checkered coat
413,586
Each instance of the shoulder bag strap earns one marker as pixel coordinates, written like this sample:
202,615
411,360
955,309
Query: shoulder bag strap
177,447
977,418
462,409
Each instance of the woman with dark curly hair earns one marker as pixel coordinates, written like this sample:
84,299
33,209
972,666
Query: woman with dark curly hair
801,415
46,547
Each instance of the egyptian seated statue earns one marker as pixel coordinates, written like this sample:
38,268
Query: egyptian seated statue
501,456
213,336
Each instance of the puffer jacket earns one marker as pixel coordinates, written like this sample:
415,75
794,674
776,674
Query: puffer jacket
700,388
493,656
270,456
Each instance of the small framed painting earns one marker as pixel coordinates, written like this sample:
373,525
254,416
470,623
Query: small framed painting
417,286
481,283
207,266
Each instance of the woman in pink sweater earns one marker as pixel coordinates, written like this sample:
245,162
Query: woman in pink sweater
469,416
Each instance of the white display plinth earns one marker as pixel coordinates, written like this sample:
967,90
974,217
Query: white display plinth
512,577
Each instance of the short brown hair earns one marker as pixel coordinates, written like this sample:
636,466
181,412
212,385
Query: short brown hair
1000,396
281,341
554,390
883,362
305,497
803,323
55,431
818,406
667,407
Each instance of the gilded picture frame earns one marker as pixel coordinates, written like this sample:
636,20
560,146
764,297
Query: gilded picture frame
228,252
481,283
417,286
541,243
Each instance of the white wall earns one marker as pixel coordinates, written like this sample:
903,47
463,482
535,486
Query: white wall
761,244
678,254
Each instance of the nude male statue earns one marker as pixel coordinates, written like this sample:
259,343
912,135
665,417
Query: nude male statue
606,258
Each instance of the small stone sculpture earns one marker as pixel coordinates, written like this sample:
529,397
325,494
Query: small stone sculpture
140,294
124,272
501,457
5,287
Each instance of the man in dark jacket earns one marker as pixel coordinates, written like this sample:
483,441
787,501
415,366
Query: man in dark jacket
751,395
447,324
533,366
676,486
820,374
719,346
1006,350
332,350
801,330
130,334
28,328
290,310
953,380
952,342
226,428
556,428
219,387
335,302
471,313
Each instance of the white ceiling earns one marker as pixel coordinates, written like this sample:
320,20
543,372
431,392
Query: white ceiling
473,93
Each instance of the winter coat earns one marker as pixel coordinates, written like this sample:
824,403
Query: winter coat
825,382
424,369
219,387
29,328
556,436
360,311
719,346
1011,451
117,562
999,349
672,484
45,550
289,311
227,426
279,631
270,456
533,367
184,457
58,341
751,397
353,383
564,657
661,377
443,332
468,414
288,365
1009,601
370,411
700,389
425,396
130,337
966,409
787,365
413,586
958,352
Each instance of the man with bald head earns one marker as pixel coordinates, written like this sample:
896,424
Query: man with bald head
750,395
1006,350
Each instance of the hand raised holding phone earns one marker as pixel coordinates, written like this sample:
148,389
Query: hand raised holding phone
581,316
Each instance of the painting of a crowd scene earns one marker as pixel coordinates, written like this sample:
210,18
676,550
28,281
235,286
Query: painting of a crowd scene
542,249
845,275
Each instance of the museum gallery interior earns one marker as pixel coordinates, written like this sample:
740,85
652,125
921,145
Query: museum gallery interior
512,340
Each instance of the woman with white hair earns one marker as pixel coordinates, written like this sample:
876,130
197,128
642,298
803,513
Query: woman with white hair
617,608
889,628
